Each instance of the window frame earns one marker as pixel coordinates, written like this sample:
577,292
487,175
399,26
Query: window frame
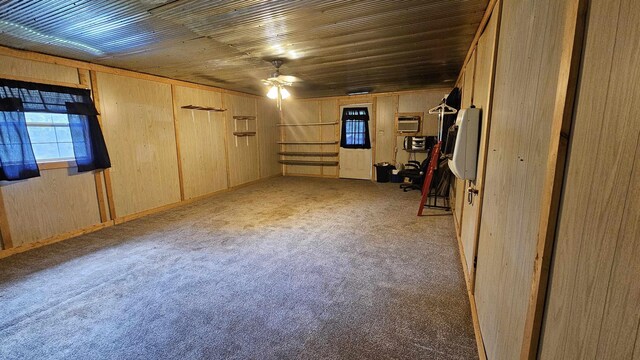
362,117
51,164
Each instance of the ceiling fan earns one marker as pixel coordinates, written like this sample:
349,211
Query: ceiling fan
277,84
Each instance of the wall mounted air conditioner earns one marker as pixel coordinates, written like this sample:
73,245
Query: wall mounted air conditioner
408,122
464,161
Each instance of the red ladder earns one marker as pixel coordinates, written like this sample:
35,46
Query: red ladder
426,186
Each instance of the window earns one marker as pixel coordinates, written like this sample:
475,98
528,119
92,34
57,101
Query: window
355,128
42,122
50,136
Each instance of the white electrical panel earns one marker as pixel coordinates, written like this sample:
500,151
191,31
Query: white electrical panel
464,162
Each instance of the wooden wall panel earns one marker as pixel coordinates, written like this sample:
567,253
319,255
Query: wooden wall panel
243,158
60,200
420,101
37,71
300,112
461,185
385,129
330,113
201,141
527,67
57,202
592,307
268,136
137,120
481,96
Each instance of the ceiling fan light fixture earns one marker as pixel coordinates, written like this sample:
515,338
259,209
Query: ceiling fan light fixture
284,93
273,92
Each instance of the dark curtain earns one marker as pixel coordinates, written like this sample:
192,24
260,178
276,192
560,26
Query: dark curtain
355,129
88,142
17,161
454,100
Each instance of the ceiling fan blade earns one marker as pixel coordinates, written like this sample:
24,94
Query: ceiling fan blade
289,78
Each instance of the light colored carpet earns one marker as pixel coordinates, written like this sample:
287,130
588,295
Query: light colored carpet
289,268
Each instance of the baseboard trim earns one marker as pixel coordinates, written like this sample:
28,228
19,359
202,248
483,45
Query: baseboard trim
75,233
54,239
162,208
313,175
472,299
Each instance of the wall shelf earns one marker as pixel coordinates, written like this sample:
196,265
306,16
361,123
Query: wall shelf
308,163
308,142
309,124
240,117
321,154
244,133
202,108
248,130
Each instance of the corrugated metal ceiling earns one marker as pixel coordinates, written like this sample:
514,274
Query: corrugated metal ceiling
335,46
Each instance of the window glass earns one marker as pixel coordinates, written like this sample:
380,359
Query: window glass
50,136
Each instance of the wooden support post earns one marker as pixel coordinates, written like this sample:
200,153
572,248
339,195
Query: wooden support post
373,135
5,233
93,77
573,39
176,129
497,11
84,77
228,113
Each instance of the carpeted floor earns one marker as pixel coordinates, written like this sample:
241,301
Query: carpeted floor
289,268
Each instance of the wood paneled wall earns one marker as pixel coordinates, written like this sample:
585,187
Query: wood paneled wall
34,70
467,100
386,144
482,86
302,112
57,202
160,154
419,101
268,135
593,303
527,68
385,129
202,141
244,165
329,113
33,211
137,119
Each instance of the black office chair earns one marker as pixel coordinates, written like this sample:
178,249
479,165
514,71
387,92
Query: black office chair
416,172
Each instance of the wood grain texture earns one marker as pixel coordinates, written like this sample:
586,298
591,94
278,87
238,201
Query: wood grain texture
5,232
53,239
572,40
300,112
482,90
527,68
60,61
243,158
201,139
268,132
106,173
138,127
38,71
60,200
592,302
419,101
461,185
422,101
385,130
330,113
57,202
